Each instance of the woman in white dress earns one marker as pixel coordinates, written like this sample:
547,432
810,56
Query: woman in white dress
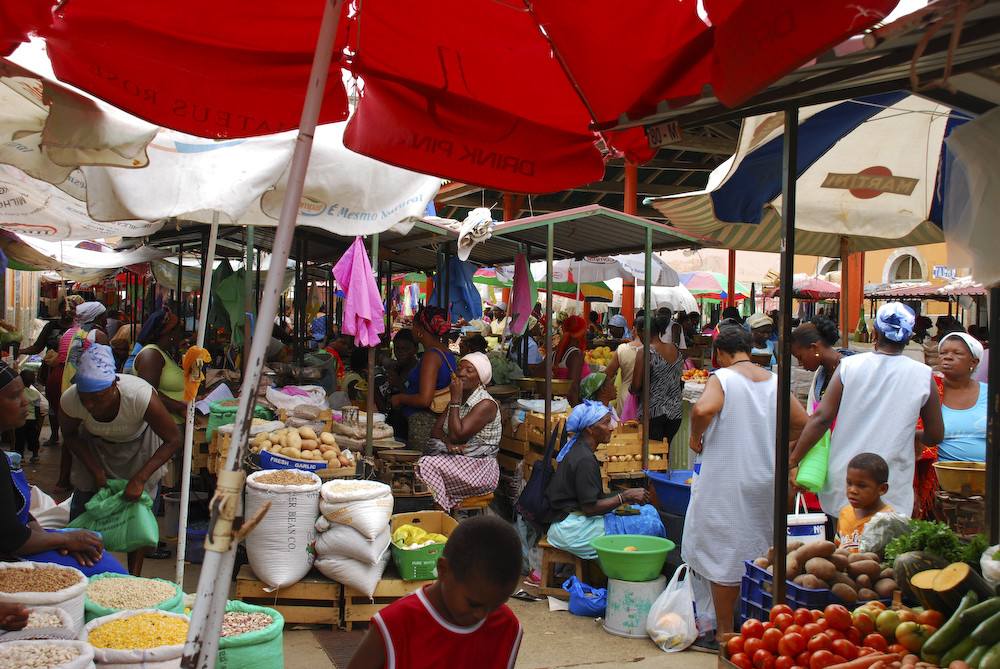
731,515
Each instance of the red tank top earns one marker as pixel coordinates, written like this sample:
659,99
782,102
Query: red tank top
415,635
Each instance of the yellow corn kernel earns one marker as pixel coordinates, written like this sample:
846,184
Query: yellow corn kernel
142,631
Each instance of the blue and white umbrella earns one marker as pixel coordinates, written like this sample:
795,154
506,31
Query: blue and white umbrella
869,169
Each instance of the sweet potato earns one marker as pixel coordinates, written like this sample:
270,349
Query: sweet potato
769,556
821,567
858,557
863,581
793,566
762,562
795,545
885,587
845,592
871,568
823,549
887,573
866,595
839,560
811,582
844,579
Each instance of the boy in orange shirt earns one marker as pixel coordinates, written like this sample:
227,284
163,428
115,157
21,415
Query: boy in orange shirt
867,481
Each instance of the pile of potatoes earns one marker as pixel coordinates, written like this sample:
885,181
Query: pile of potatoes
853,577
301,444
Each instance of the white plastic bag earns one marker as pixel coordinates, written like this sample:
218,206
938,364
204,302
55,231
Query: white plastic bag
364,505
357,575
345,541
704,604
671,622
71,599
280,547
990,567
163,657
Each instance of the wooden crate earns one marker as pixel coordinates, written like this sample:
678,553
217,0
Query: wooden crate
536,426
515,447
314,600
627,440
520,433
359,609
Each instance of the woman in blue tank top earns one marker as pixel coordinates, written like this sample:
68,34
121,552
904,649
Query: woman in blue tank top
437,365
963,405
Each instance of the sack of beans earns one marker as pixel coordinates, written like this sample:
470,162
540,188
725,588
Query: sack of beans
360,576
111,593
42,584
364,505
44,622
148,639
280,547
251,638
47,654
345,541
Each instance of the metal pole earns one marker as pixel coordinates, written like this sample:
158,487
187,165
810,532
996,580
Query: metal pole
845,292
992,429
370,395
647,319
178,301
549,243
202,644
207,261
783,431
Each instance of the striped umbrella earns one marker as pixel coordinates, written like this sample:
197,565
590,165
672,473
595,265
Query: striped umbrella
710,286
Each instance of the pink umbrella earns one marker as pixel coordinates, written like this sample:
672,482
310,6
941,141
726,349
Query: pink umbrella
812,288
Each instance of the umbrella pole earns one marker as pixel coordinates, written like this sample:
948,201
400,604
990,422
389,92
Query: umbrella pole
202,644
207,261
992,429
647,320
845,299
549,243
783,431
370,395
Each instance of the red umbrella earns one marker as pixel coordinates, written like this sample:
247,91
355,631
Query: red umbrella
812,288
501,93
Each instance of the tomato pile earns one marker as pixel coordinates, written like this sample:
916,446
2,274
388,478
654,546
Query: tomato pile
813,639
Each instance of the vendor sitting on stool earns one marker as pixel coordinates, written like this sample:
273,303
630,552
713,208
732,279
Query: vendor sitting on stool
462,456
576,493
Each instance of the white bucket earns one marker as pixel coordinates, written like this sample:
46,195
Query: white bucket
628,605
806,527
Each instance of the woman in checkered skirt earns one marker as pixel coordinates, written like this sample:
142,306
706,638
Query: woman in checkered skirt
462,459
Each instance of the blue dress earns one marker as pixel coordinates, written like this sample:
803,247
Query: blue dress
22,497
443,376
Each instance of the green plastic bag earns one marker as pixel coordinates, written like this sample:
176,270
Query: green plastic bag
254,650
124,526
173,604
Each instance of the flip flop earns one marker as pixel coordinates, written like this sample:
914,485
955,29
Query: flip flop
160,554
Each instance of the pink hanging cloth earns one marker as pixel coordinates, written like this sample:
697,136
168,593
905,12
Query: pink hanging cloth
363,308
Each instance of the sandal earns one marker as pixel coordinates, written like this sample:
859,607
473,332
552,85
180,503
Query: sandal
161,553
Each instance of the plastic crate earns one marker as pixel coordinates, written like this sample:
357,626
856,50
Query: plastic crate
672,491
756,602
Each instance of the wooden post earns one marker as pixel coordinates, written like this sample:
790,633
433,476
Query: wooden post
731,280
630,207
845,291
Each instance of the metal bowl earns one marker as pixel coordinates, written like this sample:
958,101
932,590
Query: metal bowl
400,455
525,383
559,386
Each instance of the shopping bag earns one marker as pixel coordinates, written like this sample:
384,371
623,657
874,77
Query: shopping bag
672,622
585,600
532,503
124,526
630,411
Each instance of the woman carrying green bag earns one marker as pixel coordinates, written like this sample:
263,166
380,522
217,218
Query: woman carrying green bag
117,428
814,345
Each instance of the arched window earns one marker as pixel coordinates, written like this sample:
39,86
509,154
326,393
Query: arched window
832,265
906,268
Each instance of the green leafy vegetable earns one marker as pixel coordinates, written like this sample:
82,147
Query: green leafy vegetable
934,537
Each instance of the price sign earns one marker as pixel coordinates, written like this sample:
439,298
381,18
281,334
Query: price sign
663,134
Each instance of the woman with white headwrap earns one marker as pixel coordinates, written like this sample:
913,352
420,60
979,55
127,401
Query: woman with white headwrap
576,493
117,428
876,399
462,451
963,400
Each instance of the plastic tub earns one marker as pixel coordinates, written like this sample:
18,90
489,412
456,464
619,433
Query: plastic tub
195,546
639,565
671,489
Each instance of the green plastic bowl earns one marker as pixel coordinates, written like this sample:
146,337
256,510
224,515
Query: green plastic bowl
640,565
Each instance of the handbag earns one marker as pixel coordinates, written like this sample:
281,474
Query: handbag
532,503
442,398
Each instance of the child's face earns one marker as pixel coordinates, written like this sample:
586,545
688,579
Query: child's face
862,491
470,601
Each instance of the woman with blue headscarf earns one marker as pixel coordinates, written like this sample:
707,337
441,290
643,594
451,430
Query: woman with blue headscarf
876,399
576,492
23,537
117,428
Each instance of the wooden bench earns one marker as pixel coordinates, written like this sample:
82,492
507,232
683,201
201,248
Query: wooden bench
313,600
552,556
471,504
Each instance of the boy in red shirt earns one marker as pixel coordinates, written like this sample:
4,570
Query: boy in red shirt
459,620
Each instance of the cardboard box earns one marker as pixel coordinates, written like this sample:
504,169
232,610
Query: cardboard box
421,563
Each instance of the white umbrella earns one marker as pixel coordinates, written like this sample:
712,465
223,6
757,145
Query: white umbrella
675,298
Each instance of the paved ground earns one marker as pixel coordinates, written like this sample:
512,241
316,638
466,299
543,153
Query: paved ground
551,639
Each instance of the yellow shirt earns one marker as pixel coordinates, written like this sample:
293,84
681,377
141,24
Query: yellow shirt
850,527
